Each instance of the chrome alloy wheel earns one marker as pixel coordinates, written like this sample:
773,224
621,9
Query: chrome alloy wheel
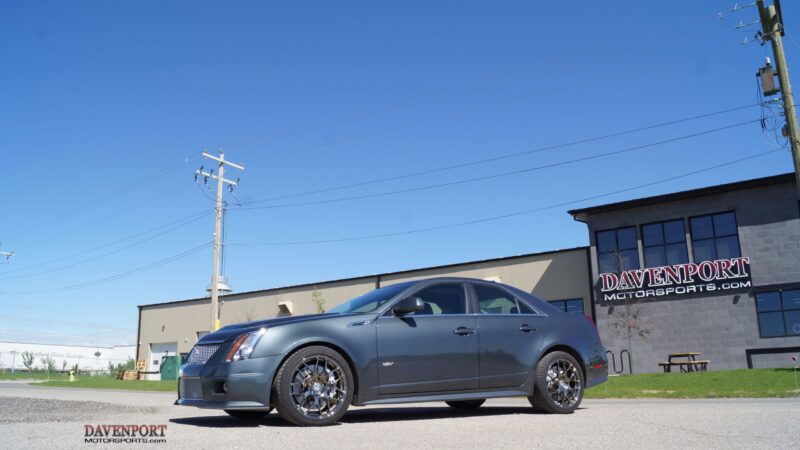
564,383
318,387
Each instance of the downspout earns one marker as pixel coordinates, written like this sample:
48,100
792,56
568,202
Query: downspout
589,268
138,333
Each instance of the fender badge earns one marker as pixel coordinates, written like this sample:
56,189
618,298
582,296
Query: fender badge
387,364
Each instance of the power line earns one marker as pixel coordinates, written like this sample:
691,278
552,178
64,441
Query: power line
503,174
103,219
108,196
107,244
506,216
112,252
501,157
117,276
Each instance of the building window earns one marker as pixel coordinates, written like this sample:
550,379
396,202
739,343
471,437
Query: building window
570,306
664,243
715,237
617,250
778,313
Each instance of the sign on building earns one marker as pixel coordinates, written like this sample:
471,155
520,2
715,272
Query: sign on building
707,277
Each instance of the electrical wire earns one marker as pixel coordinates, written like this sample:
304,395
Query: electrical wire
107,244
503,174
112,252
509,215
502,157
103,219
108,196
118,276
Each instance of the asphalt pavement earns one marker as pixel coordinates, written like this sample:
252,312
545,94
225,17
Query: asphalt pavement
39,417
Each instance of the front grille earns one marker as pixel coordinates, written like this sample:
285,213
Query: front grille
201,353
191,389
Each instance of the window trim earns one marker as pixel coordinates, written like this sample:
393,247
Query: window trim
476,306
615,230
663,236
583,304
691,233
407,293
768,290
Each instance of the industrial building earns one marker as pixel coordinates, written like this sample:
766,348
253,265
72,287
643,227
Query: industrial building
714,271
64,357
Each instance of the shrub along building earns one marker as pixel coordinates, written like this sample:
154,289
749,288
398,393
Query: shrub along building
714,270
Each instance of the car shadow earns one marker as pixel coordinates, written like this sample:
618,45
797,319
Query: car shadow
365,415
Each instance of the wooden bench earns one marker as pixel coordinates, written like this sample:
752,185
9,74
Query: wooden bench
699,365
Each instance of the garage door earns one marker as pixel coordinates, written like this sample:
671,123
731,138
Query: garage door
157,352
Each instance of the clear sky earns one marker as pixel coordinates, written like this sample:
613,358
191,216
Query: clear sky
105,108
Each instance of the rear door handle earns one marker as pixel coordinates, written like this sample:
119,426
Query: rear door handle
463,331
526,328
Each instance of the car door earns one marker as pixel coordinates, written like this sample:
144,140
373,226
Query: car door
510,337
432,350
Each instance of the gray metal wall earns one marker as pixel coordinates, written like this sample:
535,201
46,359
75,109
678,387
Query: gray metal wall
720,327
553,276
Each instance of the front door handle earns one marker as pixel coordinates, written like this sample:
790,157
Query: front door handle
526,328
463,331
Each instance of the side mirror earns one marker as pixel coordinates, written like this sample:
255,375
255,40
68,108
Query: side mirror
408,305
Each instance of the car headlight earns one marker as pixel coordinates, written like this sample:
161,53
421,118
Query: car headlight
244,345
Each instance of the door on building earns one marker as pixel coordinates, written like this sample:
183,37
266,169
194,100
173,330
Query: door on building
157,354
431,350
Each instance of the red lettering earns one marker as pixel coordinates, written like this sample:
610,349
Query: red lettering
707,270
672,275
609,281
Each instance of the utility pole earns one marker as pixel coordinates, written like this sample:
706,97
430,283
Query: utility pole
772,27
221,182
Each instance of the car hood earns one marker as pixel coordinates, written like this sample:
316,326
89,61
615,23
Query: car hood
230,332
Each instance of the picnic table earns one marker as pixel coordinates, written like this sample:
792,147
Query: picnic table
686,362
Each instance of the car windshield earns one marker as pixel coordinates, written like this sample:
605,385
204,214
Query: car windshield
370,301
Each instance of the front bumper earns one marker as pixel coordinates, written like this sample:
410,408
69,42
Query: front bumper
228,385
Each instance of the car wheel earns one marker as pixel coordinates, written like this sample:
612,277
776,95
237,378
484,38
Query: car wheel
247,414
466,404
559,384
313,387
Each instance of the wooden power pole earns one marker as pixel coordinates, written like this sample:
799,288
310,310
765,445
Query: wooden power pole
772,27
221,182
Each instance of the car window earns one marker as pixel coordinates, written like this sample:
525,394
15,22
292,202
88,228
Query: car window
492,300
370,301
443,299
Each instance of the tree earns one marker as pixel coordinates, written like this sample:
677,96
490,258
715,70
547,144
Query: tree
48,363
27,360
130,364
629,321
318,300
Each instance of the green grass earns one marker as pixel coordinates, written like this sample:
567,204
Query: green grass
31,376
106,382
756,383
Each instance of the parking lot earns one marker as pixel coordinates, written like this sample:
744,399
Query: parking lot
38,417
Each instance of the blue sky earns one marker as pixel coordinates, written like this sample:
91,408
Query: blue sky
105,108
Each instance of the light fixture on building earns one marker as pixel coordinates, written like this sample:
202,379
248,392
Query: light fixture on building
285,308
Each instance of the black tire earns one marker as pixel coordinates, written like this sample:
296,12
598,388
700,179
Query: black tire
466,404
247,414
309,374
560,391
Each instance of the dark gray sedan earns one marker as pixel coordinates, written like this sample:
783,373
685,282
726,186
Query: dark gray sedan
455,340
